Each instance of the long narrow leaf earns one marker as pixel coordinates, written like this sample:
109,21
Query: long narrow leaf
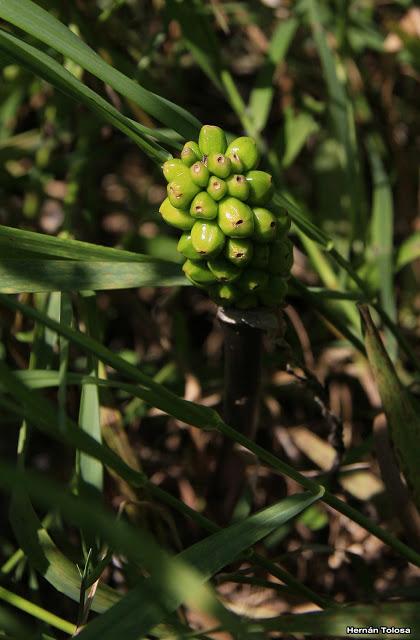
41,24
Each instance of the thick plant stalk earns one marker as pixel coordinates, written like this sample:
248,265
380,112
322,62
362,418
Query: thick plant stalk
243,333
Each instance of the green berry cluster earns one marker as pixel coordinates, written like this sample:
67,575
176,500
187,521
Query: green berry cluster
235,246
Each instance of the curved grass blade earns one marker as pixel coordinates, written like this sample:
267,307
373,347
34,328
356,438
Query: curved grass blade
18,276
43,26
50,70
208,556
401,408
408,251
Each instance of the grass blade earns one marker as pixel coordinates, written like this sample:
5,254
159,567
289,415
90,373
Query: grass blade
408,251
50,70
401,408
43,26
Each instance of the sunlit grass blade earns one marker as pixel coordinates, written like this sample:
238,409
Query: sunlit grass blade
36,611
401,408
382,239
50,70
409,251
297,129
42,25
208,556
262,93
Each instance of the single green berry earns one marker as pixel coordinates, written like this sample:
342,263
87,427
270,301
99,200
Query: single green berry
217,188
239,251
274,293
238,187
247,151
250,301
200,175
225,294
181,191
219,165
281,257
265,225
236,162
198,272
212,139
261,256
236,219
207,238
203,206
260,187
179,218
174,168
223,270
253,279
283,222
190,153
185,247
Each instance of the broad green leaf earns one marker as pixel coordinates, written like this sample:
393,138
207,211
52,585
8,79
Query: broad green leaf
334,623
401,408
43,26
382,238
408,251
262,94
53,72
208,556
297,129
17,276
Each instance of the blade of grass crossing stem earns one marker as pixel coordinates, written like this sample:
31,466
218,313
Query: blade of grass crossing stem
401,408
172,581
188,412
262,94
382,238
409,251
342,117
18,276
208,557
50,70
42,25
35,611
333,623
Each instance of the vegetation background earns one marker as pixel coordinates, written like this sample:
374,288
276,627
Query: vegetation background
330,91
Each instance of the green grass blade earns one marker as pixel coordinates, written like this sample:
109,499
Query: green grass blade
36,611
208,556
408,251
43,26
401,408
50,70
262,94
17,276
297,129
382,239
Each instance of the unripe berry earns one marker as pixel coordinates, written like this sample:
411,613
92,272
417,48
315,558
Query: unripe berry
212,139
181,191
219,165
207,239
239,251
185,247
203,206
174,168
260,187
253,279
281,257
225,294
250,301
190,153
236,162
224,270
274,293
265,225
235,218
238,187
198,272
178,218
217,188
283,222
247,151
261,256
200,175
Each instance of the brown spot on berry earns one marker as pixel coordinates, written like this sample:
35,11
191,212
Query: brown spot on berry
238,222
273,224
